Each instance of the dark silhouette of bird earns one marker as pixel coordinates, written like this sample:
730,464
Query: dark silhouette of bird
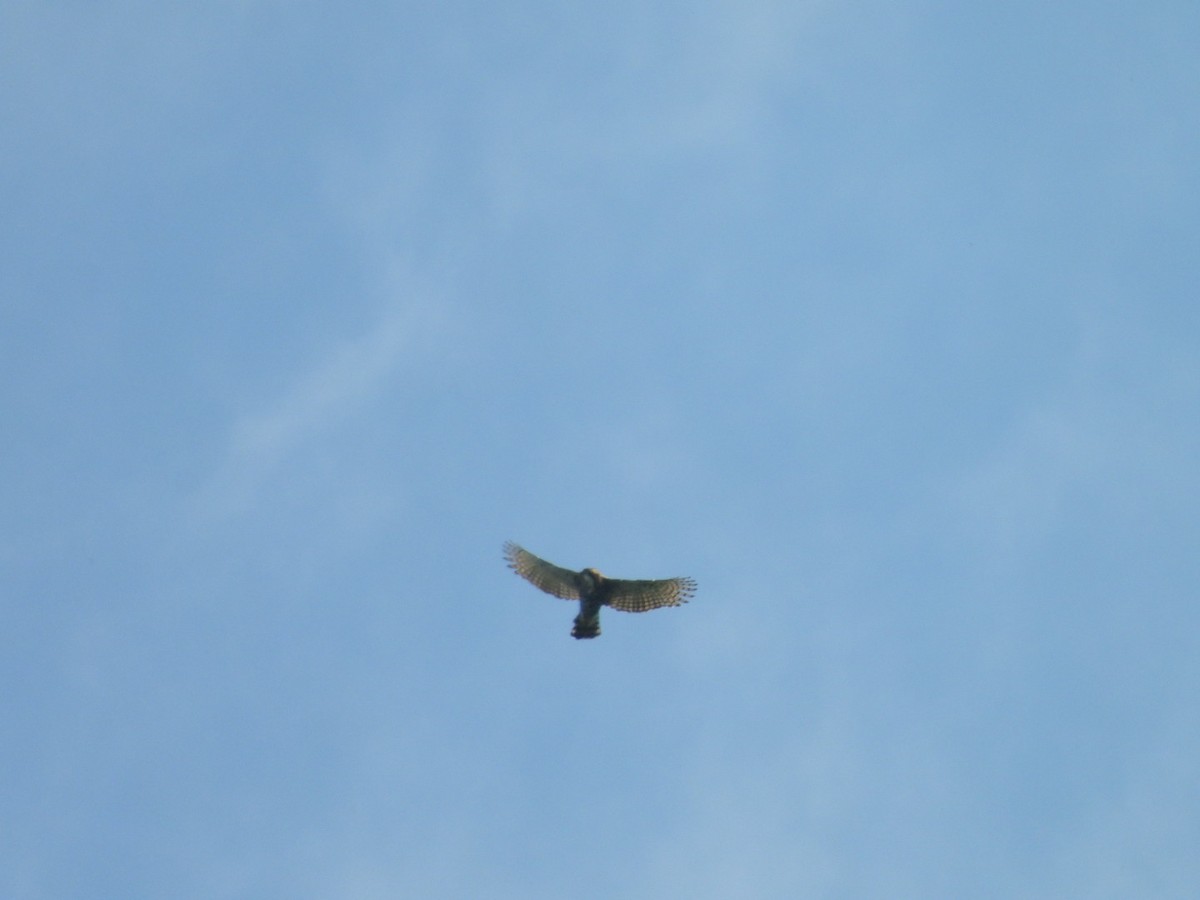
594,590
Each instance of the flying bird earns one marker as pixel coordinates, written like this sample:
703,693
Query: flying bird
594,590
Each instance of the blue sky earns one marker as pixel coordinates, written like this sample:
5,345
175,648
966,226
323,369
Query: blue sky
879,320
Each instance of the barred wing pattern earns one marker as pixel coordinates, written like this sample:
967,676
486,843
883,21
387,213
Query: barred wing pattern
639,596
550,578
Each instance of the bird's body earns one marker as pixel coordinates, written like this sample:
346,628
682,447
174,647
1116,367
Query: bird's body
587,623
594,590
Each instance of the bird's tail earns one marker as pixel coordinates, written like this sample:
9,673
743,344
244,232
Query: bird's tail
586,626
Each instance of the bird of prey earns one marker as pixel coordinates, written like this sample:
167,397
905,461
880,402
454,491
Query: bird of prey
594,590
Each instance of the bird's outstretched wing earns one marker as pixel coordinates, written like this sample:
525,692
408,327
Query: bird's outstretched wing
550,578
639,596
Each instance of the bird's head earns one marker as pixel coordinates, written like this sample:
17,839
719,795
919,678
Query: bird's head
591,579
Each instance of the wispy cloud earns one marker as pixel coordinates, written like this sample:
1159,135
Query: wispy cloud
343,381
1105,434
706,93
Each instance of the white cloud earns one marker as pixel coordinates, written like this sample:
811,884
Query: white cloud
1104,435
344,381
708,91
1142,843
